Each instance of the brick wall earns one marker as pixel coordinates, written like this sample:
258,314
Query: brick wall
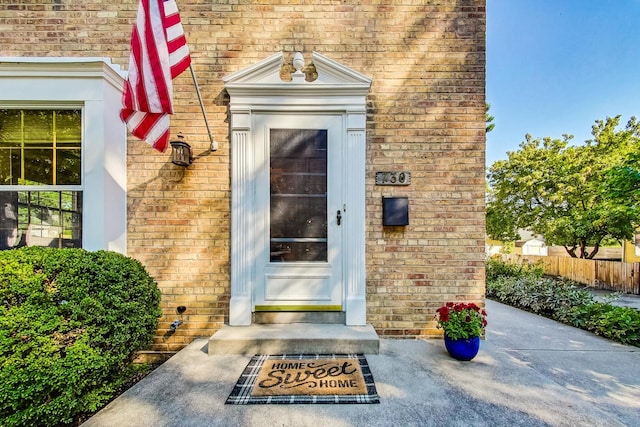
425,115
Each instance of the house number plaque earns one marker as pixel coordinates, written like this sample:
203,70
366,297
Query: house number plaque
393,178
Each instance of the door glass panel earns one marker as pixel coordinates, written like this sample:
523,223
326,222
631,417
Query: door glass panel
298,177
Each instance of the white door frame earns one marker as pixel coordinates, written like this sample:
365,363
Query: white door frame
259,89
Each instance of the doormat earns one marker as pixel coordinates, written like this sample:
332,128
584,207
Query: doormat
305,378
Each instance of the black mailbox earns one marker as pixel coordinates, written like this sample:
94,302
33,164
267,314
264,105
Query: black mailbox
395,211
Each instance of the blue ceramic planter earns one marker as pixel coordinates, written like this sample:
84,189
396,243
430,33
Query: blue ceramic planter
462,349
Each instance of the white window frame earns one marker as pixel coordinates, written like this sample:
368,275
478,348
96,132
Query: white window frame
93,85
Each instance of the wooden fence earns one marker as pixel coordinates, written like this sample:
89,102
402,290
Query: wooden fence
610,275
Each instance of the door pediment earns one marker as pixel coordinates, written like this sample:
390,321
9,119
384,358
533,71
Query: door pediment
261,84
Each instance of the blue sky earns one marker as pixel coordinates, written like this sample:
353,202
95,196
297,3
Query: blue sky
556,66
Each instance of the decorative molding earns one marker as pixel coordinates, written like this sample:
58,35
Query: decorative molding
330,71
261,73
356,121
337,90
65,67
260,88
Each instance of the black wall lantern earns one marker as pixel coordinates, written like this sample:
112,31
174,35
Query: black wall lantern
181,152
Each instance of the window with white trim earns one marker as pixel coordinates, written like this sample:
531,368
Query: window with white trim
63,153
40,177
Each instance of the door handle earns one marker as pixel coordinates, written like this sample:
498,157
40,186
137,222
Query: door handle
339,217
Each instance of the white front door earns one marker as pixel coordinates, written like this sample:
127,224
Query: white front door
299,203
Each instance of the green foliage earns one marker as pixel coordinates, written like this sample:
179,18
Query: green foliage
488,118
495,268
563,301
621,324
623,181
543,296
500,226
70,323
562,191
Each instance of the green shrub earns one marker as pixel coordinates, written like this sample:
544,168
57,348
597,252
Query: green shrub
567,302
544,296
621,324
496,268
70,323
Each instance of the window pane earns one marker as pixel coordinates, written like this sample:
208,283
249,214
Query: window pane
68,127
68,167
9,236
40,218
298,217
10,128
298,251
38,127
9,166
38,167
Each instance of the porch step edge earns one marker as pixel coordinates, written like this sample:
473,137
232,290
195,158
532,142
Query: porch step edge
289,317
297,338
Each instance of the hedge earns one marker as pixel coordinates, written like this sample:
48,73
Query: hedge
71,322
524,287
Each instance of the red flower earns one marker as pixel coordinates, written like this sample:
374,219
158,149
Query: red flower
444,313
461,320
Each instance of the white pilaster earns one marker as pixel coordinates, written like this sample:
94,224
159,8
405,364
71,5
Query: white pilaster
240,304
355,262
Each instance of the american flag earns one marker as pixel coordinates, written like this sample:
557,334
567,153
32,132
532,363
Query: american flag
159,53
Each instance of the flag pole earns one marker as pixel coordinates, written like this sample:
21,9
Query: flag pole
206,122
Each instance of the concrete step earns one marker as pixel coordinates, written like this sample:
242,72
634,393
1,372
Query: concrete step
296,338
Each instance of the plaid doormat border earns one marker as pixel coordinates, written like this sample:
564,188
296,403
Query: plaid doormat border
241,394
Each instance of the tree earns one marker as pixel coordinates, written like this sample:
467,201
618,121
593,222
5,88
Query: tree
623,182
488,118
562,191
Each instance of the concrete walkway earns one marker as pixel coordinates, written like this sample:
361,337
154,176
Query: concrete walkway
531,371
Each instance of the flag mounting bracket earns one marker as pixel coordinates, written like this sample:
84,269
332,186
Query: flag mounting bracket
214,143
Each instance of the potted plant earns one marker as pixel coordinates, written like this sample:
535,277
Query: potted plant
463,324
